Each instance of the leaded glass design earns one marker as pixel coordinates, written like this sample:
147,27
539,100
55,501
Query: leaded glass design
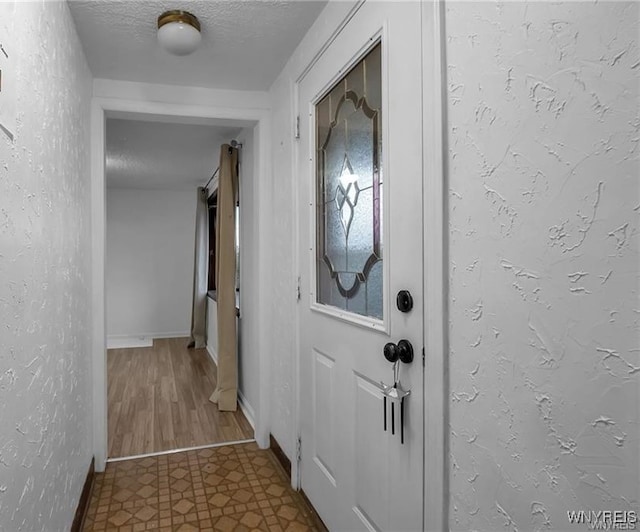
349,191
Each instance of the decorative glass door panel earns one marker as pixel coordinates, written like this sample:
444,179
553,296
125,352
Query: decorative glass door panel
349,191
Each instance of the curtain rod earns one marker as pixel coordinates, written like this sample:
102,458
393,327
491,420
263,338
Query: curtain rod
234,144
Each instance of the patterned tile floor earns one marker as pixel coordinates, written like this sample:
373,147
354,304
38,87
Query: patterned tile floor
231,488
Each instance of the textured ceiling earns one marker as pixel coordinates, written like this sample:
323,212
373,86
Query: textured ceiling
245,43
142,154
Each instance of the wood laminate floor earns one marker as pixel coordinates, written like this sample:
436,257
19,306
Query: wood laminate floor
159,400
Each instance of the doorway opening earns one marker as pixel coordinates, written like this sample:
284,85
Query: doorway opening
150,391
158,389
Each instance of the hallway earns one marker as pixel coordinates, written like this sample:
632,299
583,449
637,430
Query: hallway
159,400
238,487
498,201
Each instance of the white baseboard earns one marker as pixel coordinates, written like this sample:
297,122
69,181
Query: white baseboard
244,405
181,334
247,410
213,354
124,341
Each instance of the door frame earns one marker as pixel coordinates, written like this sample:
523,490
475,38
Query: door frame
260,118
436,263
435,260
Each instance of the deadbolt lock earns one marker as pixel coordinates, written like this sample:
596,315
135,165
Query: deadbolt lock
404,301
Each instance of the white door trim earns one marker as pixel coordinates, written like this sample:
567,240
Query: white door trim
100,107
435,293
296,443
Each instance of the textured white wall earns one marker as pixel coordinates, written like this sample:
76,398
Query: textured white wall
544,204
45,311
149,267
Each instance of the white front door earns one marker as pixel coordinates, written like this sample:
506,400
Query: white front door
361,238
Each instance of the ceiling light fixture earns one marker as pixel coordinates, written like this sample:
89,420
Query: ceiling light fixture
179,32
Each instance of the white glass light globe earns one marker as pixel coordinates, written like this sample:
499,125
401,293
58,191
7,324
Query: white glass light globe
179,38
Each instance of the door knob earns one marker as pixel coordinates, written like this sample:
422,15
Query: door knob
390,352
402,351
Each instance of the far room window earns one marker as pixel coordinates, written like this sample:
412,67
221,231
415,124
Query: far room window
212,202
213,209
